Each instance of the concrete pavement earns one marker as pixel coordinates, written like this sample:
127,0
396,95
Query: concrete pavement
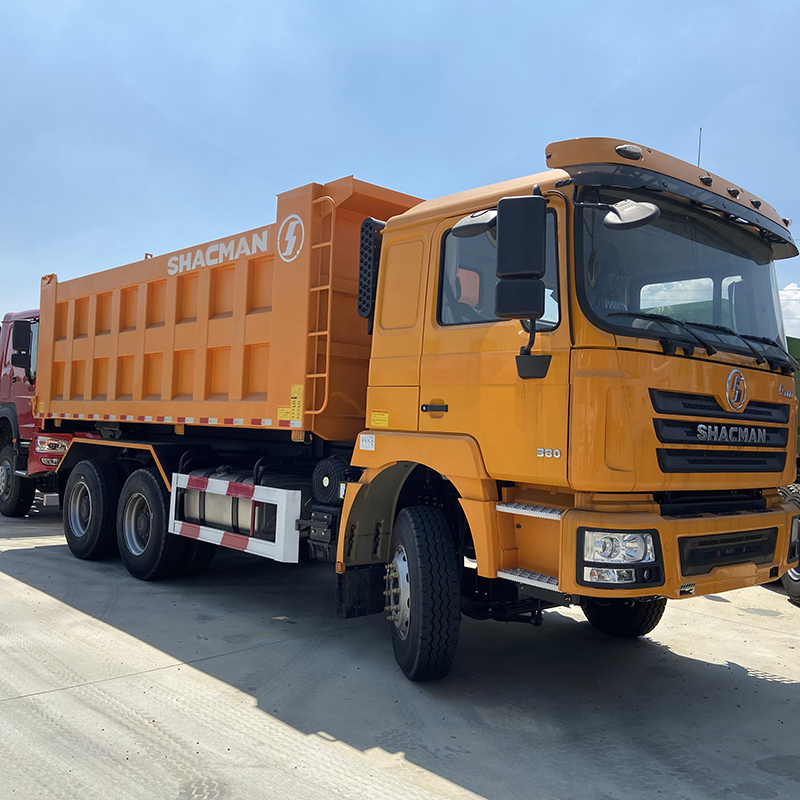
242,684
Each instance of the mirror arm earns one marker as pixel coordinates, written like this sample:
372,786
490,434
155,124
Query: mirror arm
526,349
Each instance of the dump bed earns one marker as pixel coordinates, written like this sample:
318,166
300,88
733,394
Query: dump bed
255,330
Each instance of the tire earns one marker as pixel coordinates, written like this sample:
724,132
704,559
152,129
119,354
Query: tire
624,618
16,492
148,551
422,580
197,557
90,509
328,474
791,582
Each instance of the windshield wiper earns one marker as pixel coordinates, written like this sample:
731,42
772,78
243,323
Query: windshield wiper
760,359
791,360
663,318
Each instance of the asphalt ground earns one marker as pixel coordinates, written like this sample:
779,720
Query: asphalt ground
241,683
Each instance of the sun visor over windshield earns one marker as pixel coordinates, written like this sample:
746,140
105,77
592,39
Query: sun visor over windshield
633,177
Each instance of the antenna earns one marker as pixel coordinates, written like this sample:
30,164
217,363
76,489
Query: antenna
699,145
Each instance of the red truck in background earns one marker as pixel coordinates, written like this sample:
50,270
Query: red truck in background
28,457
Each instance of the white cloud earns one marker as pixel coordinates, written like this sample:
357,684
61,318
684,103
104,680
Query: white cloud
790,305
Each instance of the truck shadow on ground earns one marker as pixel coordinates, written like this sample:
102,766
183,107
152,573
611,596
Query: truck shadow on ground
559,711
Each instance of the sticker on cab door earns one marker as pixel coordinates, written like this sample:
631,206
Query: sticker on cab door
379,419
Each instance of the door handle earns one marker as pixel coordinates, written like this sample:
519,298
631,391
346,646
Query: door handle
428,407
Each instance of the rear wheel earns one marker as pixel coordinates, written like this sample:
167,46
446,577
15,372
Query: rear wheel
90,508
16,492
148,551
791,582
624,618
423,594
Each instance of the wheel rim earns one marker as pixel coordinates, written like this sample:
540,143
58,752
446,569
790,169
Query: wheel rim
80,509
137,524
794,574
399,591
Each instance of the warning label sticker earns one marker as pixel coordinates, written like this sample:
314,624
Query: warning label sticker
284,416
379,419
366,441
297,401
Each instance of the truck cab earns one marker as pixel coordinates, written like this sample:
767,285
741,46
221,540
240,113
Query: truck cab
28,459
632,446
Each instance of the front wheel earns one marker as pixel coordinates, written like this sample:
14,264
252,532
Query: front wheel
423,593
16,492
624,618
147,549
791,582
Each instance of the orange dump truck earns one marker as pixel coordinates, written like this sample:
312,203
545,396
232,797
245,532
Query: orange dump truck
570,388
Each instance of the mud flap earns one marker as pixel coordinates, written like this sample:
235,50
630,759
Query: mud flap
359,591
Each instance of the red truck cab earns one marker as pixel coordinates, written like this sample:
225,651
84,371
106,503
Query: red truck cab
28,457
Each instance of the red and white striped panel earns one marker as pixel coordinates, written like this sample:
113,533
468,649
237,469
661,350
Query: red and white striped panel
227,422
287,501
233,541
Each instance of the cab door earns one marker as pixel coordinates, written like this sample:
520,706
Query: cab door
468,373
18,385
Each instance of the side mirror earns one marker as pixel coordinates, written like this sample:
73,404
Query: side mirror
521,265
521,261
21,336
21,360
629,214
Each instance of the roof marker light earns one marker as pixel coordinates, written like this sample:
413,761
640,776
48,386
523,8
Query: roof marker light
706,179
755,203
631,151
733,192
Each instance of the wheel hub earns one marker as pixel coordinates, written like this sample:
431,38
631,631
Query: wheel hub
5,478
794,573
136,524
79,507
398,591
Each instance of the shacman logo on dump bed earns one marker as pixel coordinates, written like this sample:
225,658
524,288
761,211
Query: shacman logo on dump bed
291,237
218,253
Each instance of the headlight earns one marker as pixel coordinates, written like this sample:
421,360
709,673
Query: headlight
45,444
795,534
619,559
620,547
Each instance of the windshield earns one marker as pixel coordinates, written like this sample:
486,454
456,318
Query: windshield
689,265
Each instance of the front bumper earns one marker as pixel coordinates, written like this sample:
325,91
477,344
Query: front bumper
735,551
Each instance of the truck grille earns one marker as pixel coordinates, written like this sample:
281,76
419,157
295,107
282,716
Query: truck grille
701,405
719,461
700,554
674,431
692,504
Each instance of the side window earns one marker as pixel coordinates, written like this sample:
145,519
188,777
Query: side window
467,280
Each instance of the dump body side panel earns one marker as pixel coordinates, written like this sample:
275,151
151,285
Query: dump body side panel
255,330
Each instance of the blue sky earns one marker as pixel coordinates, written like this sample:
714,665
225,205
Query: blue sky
151,126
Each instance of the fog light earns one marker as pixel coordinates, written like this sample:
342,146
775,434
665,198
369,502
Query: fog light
51,462
604,575
618,547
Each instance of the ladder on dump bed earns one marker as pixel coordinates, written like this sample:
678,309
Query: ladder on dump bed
323,226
